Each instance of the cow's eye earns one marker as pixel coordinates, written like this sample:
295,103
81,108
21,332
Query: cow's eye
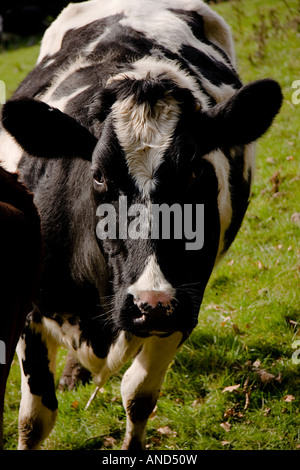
99,182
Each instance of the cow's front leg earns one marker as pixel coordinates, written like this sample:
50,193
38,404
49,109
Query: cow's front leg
141,386
38,409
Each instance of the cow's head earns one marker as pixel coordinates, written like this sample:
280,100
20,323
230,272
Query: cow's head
159,178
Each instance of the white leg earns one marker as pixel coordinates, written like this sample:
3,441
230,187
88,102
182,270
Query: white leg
38,409
141,385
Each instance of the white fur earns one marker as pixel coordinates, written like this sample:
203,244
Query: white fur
10,152
166,28
32,411
222,169
145,134
145,376
68,335
120,352
61,103
249,160
60,77
74,16
220,93
151,278
49,62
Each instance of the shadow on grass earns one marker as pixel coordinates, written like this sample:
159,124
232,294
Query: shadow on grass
226,358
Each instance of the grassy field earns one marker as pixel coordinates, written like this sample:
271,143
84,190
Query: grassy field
234,384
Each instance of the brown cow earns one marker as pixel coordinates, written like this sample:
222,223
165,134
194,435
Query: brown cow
20,257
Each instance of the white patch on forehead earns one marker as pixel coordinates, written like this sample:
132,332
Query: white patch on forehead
145,133
10,152
151,279
222,170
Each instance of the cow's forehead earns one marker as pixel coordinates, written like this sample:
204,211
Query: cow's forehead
145,133
146,115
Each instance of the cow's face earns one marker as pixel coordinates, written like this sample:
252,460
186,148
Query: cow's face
161,176
157,207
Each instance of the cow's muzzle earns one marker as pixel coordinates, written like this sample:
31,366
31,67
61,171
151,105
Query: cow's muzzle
152,312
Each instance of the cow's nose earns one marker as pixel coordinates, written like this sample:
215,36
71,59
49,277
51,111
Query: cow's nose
152,301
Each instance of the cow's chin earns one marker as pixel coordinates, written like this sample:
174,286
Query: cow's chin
146,326
133,321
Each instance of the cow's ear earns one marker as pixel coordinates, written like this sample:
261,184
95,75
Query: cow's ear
43,131
244,117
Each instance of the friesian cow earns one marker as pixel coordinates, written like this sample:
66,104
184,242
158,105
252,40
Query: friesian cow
134,101
20,258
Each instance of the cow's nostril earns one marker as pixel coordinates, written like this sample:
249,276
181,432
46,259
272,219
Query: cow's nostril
152,298
144,307
155,303
159,317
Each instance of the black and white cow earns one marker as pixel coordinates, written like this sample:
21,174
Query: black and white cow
137,99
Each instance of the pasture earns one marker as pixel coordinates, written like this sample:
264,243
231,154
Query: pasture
235,384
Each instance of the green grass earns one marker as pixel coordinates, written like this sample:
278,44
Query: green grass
251,311
16,64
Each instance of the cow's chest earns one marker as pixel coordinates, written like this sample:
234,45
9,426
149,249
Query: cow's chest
72,336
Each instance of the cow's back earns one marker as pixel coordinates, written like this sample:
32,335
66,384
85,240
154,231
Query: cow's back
92,41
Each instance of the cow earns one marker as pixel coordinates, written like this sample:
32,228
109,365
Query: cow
20,261
132,104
